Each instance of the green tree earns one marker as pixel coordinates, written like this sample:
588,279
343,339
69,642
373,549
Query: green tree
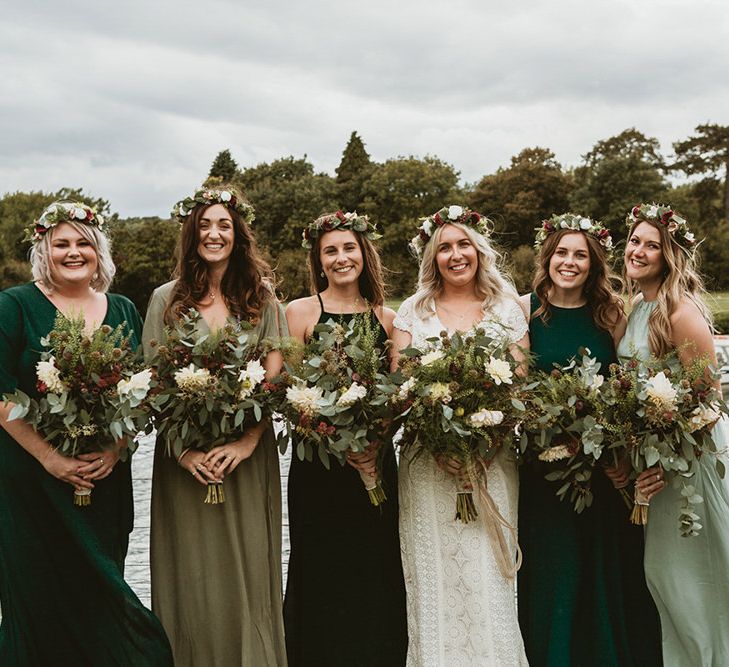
224,168
707,152
618,173
143,250
532,188
397,194
353,171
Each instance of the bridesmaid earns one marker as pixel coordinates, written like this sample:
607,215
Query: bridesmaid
216,569
687,576
62,591
345,596
582,596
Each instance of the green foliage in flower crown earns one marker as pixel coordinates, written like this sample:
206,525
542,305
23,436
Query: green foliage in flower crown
80,409
330,398
210,387
458,399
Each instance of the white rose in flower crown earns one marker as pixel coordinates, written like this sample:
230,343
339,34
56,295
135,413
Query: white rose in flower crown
701,417
50,376
139,382
499,370
455,212
689,236
439,391
428,227
661,391
585,223
193,380
652,211
225,195
564,224
431,357
79,214
304,399
486,418
352,395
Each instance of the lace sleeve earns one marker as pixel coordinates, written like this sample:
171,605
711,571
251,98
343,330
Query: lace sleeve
404,318
516,322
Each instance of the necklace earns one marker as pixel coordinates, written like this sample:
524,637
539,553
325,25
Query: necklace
460,317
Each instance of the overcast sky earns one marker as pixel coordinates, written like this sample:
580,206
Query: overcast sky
132,99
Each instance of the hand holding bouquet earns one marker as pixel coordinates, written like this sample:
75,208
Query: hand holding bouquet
91,390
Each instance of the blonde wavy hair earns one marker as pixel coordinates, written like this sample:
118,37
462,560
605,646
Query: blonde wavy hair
681,280
492,286
42,267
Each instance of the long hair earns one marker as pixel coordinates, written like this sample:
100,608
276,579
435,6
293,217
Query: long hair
246,285
681,280
603,300
42,267
371,281
492,286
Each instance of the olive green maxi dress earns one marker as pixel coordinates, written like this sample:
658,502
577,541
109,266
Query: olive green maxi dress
582,595
216,569
62,590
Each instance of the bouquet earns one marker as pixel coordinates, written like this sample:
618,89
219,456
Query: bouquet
457,402
92,392
563,428
331,398
209,389
660,412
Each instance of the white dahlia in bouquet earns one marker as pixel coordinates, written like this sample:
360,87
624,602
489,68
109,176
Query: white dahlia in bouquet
209,388
330,399
458,402
91,392
661,413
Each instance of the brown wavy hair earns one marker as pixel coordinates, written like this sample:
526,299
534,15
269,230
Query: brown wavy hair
681,280
603,300
371,280
246,285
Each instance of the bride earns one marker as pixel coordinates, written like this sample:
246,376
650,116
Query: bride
459,582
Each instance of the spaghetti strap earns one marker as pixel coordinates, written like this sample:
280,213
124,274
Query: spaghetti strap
321,303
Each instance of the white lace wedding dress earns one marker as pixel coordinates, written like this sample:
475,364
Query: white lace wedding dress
461,608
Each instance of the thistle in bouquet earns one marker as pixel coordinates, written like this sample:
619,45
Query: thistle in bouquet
331,399
90,392
660,413
563,429
209,388
457,402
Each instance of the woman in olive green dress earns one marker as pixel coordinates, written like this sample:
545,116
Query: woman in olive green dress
216,569
582,596
62,591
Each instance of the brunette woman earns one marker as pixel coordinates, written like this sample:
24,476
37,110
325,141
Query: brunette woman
345,599
582,596
216,569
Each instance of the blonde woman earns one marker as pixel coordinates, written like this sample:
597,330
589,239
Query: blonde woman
687,576
460,603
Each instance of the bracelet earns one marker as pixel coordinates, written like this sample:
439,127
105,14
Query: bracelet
182,455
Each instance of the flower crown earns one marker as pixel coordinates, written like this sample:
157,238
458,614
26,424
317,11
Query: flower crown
577,223
339,220
666,216
210,196
448,214
63,211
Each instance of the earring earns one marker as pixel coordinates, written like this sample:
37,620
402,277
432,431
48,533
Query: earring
95,276
321,273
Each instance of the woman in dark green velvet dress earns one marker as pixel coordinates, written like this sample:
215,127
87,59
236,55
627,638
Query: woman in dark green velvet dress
345,594
62,591
582,594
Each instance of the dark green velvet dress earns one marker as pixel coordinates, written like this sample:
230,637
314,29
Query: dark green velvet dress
582,594
62,591
345,593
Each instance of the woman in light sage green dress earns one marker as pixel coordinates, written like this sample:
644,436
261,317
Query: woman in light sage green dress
216,569
687,576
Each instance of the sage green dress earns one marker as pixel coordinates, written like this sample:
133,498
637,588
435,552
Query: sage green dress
687,576
216,569
582,596
62,590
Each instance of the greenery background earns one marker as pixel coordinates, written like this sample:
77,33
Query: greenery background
614,174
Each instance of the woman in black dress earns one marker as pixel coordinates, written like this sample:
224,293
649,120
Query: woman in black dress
345,596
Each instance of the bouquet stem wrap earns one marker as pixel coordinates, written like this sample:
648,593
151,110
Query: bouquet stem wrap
82,497
639,515
495,525
216,494
374,488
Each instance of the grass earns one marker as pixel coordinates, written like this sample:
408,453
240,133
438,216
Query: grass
719,303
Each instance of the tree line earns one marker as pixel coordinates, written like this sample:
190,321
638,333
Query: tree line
288,193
